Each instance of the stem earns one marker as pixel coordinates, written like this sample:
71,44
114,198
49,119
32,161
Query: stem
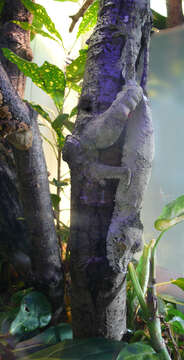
58,187
153,323
138,290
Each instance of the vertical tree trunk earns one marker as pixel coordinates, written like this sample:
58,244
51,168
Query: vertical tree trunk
174,13
44,261
98,177
14,239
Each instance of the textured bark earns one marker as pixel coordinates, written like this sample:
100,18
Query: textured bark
109,144
174,13
14,240
43,263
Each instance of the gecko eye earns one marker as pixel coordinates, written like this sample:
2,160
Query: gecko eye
26,309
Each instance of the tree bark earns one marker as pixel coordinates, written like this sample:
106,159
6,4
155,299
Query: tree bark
174,13
43,262
108,182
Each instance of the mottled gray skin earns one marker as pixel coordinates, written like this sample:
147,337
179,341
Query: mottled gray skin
117,55
130,109
125,231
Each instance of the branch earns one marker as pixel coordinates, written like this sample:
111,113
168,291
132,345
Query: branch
14,115
79,14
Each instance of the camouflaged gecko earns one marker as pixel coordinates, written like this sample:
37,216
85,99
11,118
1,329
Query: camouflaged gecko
130,108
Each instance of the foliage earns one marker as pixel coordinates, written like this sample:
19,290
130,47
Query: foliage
144,289
89,19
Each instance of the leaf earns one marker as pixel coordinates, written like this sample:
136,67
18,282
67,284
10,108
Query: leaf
87,349
26,26
40,110
48,77
177,325
58,123
60,184
137,351
73,112
39,11
172,214
75,70
171,299
143,267
159,21
89,19
55,200
179,282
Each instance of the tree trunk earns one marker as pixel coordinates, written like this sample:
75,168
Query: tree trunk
43,263
110,155
174,13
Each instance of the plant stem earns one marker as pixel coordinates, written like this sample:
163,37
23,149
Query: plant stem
58,187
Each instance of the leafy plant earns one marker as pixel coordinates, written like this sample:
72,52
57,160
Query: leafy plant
144,289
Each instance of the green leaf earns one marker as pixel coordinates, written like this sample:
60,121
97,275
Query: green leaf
34,313
40,111
172,214
73,112
55,201
74,87
58,123
89,19
33,29
87,349
177,325
179,282
75,70
137,351
171,299
39,11
159,21
143,267
60,184
48,77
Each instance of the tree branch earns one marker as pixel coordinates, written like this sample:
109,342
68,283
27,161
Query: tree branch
79,14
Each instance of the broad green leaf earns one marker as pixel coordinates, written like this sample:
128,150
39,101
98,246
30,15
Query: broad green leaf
50,336
26,26
159,21
73,112
177,324
40,111
75,70
48,77
58,123
171,312
137,351
101,349
172,214
74,86
34,313
179,282
40,12
55,200
171,299
89,19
